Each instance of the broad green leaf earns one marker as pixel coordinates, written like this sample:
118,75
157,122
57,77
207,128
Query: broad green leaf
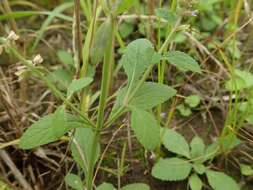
193,101
246,170
77,85
60,125
138,56
183,61
173,169
74,181
65,57
81,147
199,168
152,94
242,80
44,131
221,181
197,149
195,182
184,110
136,186
105,186
145,128
123,5
100,42
176,143
148,96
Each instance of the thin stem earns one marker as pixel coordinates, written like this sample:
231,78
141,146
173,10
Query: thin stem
105,85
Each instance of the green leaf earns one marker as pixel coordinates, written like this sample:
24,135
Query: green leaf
65,57
81,147
199,168
195,182
77,85
197,149
246,170
124,5
183,61
74,181
145,128
212,151
183,110
105,186
100,42
61,77
152,94
136,186
173,169
193,101
45,130
125,29
176,143
221,181
166,14
60,122
241,80
138,56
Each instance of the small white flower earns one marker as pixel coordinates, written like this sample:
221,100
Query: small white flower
13,36
37,59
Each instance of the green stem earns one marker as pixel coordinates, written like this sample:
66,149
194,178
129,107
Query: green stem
108,61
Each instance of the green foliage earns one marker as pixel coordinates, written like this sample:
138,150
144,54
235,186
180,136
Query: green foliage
101,41
176,143
74,181
123,5
241,80
146,128
81,147
77,85
136,186
138,56
105,186
151,94
173,169
246,170
197,148
182,61
46,130
221,181
195,182
193,101
66,58
184,110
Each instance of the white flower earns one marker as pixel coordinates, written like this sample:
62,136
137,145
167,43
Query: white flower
37,59
13,36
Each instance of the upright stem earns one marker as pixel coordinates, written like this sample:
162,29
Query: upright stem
107,65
